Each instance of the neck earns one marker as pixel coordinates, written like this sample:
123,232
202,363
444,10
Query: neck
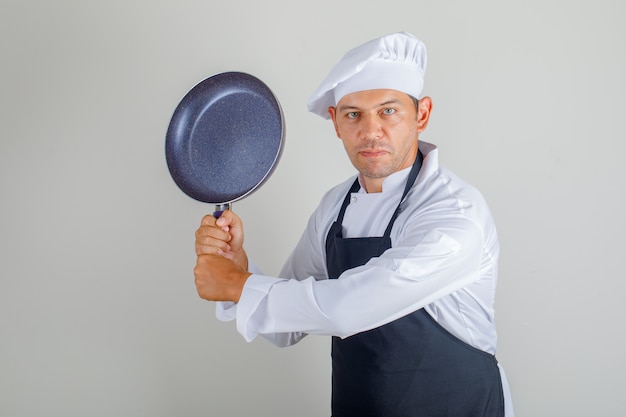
372,185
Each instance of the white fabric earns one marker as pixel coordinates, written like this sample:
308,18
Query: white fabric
443,258
396,61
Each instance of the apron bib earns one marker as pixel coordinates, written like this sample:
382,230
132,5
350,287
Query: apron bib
411,366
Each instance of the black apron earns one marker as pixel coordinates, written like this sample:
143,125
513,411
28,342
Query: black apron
411,366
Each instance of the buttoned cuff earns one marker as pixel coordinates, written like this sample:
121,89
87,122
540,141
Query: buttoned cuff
227,310
254,293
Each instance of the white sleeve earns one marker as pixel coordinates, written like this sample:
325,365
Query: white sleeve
432,259
226,310
307,260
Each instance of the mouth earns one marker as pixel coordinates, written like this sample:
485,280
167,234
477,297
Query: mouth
373,153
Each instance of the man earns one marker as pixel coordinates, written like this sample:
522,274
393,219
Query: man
398,264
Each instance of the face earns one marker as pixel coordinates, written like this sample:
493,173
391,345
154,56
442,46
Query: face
379,130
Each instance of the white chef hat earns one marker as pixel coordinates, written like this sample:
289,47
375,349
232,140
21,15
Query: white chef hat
396,62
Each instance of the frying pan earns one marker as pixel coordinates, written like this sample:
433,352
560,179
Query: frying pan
225,139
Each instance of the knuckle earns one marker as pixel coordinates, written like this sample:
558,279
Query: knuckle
208,220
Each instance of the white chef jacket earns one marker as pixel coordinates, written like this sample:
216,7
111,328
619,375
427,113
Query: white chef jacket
443,258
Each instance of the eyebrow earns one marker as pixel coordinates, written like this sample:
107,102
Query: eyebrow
350,107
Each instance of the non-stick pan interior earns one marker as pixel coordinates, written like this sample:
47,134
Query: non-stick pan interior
225,138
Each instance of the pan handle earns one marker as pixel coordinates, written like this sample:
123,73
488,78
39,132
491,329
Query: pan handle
219,209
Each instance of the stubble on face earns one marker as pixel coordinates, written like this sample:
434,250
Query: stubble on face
379,132
377,159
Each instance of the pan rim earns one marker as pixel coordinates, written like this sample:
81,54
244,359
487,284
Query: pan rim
182,171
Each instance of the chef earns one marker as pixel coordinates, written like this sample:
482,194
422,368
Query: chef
398,263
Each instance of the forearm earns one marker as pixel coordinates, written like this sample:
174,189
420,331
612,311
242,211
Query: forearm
399,282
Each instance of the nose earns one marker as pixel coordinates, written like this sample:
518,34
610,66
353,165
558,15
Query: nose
371,126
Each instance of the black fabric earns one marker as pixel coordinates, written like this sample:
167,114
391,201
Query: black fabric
411,366
343,254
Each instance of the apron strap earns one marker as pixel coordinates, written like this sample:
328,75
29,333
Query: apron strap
355,187
415,169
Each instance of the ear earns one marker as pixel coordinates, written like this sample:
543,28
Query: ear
333,115
423,113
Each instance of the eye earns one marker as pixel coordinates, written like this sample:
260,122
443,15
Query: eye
389,111
352,115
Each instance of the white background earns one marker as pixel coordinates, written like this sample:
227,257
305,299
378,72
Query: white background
98,310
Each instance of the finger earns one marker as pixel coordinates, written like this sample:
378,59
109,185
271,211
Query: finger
211,221
208,220
228,219
235,227
212,231
203,278
211,246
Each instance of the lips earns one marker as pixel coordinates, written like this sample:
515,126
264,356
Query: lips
373,153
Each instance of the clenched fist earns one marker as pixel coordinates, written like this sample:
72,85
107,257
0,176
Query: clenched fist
219,279
221,268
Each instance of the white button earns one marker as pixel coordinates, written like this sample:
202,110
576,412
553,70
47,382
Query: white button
353,199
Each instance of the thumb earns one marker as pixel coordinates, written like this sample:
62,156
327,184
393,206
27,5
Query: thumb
232,223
